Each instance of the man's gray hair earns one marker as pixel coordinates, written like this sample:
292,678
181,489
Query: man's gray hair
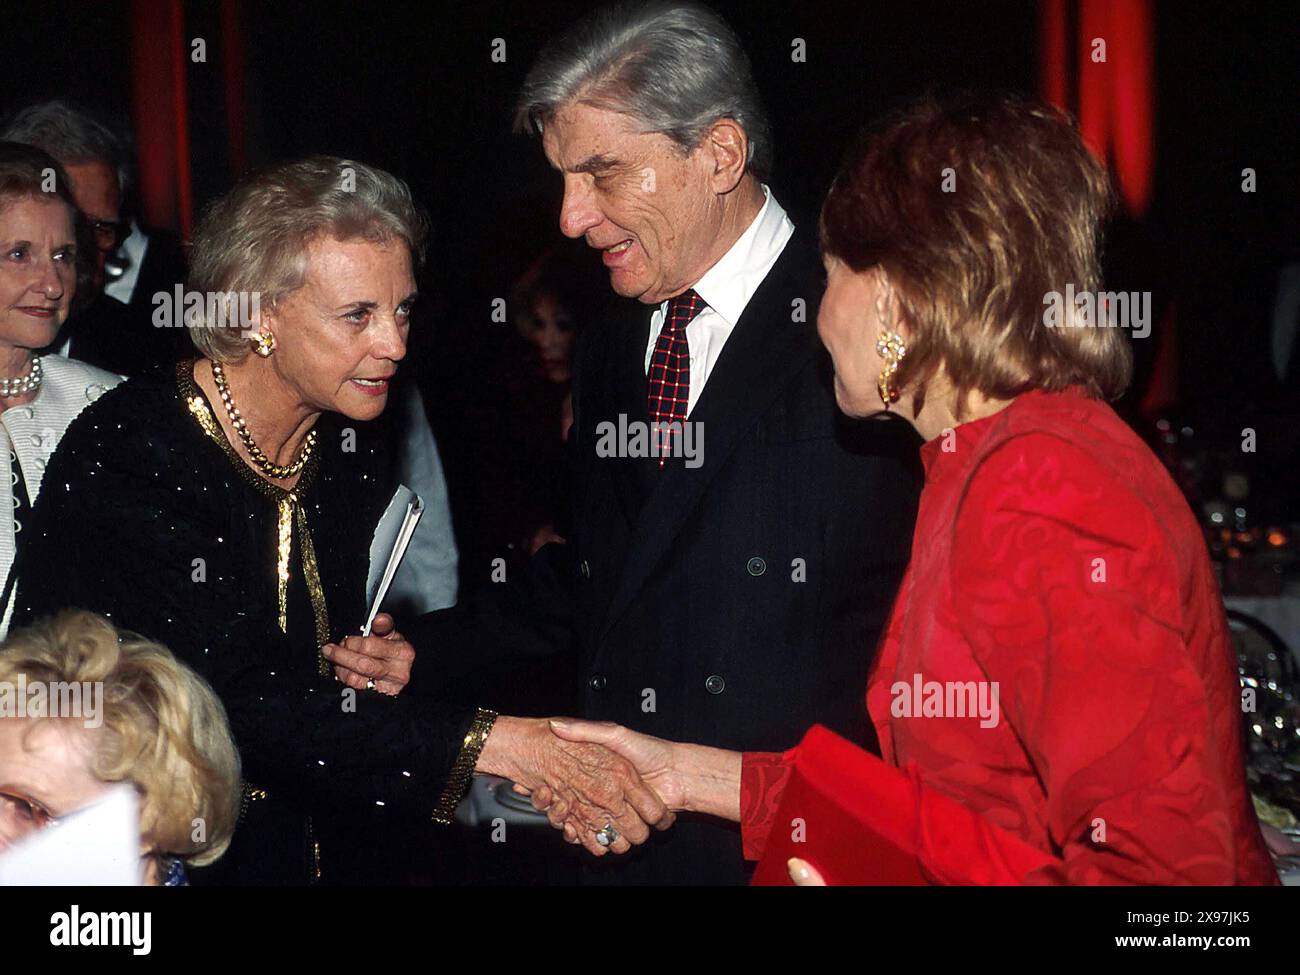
70,136
674,67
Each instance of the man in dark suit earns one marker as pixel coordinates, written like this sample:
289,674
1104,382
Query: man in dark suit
736,542
117,331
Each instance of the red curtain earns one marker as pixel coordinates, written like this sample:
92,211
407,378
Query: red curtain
1112,99
161,58
160,54
1114,103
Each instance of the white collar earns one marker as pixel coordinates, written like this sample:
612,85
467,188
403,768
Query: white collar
134,247
731,282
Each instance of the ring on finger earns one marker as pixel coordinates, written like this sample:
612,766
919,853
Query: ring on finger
606,835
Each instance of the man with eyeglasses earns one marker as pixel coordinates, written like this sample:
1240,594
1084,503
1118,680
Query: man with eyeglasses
112,326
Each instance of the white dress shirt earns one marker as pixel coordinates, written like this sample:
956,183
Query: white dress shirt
134,247
726,289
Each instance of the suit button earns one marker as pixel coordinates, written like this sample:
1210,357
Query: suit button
585,569
756,566
715,685
597,682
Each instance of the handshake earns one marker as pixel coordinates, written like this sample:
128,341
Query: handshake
606,787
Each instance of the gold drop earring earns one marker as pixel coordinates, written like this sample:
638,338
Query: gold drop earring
891,348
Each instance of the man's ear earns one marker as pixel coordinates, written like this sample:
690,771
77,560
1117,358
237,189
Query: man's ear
727,150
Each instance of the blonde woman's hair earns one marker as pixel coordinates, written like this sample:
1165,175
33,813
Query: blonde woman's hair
253,240
164,730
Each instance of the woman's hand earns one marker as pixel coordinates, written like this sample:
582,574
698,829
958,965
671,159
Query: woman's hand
589,790
652,757
384,657
686,777
803,873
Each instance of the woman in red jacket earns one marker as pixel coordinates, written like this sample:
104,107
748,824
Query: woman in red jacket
1058,661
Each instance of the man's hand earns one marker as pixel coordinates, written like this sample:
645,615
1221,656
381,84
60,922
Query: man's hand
383,657
653,758
588,786
694,778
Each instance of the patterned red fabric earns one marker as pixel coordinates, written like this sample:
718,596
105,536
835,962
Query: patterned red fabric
763,777
1054,556
668,382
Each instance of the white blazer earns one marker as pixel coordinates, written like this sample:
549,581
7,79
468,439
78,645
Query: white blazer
30,433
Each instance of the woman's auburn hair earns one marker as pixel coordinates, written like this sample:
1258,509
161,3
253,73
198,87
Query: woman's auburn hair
164,729
976,210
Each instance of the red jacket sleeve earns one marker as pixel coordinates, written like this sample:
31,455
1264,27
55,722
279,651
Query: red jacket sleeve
763,777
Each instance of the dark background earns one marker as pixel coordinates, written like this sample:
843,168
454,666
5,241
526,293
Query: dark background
412,88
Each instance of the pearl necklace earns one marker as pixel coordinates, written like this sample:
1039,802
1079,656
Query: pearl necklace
277,471
23,384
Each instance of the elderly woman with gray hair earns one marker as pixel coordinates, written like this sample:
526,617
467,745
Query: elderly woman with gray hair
227,510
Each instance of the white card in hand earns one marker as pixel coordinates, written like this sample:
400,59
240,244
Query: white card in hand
392,535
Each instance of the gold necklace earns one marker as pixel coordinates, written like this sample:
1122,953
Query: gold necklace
277,471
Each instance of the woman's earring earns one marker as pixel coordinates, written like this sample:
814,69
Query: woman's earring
891,348
263,343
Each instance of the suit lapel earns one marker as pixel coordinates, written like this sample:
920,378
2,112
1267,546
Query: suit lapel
633,476
763,352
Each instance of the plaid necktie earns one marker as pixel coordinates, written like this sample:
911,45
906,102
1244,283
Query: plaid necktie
668,384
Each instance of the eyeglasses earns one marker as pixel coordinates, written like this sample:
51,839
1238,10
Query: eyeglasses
109,234
20,815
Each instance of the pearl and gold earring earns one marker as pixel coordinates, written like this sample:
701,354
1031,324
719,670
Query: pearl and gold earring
263,343
891,348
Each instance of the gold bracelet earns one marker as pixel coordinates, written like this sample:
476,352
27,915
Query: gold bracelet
463,768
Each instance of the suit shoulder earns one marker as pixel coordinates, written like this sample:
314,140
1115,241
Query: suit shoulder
800,267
